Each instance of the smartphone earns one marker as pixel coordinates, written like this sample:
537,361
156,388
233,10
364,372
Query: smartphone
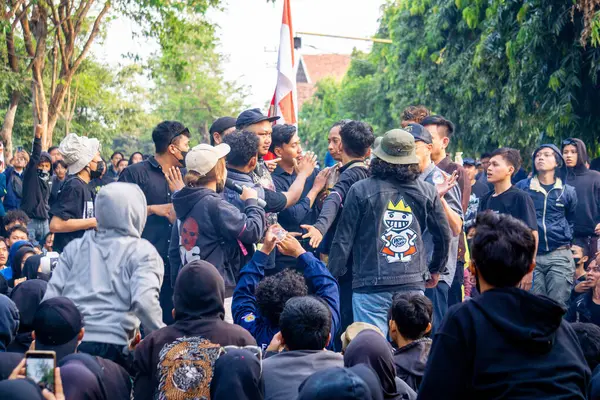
39,367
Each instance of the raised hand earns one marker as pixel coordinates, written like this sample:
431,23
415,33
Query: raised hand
315,235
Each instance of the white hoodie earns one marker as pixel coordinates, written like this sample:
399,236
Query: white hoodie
112,274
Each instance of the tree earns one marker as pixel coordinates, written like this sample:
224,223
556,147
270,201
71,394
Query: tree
61,32
507,72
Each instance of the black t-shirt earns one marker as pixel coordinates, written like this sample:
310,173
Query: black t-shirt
547,188
75,200
514,202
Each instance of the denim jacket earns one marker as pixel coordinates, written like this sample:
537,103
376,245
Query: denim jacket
382,224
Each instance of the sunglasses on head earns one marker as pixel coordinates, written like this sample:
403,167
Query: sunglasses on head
568,142
184,131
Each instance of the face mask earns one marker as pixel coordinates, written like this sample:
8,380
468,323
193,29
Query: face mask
182,161
99,170
43,175
577,260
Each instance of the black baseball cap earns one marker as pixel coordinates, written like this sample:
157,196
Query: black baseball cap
469,161
170,130
222,124
419,133
57,323
251,117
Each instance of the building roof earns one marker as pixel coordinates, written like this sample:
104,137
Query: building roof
314,67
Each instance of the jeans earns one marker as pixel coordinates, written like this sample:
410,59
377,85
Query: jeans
373,308
553,275
38,229
114,352
439,297
455,295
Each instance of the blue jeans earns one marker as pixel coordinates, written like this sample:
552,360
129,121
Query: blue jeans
553,275
439,297
373,308
38,229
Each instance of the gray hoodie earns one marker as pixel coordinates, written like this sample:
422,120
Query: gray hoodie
112,274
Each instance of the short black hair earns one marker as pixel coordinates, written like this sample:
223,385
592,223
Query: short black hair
59,162
402,173
412,314
17,228
340,123
244,146
438,120
589,340
123,160
115,153
52,148
165,132
282,134
357,138
274,291
502,249
486,155
305,323
510,155
14,216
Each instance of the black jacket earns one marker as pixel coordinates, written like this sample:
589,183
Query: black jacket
410,362
587,186
382,225
505,344
36,192
209,228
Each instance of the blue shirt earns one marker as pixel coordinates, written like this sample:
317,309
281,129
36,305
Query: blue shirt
244,307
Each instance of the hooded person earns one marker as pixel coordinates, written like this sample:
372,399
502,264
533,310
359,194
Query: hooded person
586,225
27,296
237,375
555,205
355,383
9,322
73,211
18,262
370,348
20,389
208,227
506,342
31,267
112,275
80,383
198,299
36,189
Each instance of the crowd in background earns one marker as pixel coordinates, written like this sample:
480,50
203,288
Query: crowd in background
240,269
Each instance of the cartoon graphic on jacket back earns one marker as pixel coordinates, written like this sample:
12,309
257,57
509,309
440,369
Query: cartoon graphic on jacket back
187,241
398,238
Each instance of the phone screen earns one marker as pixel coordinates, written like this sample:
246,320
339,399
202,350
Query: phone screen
40,367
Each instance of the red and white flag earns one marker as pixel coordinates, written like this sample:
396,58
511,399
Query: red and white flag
284,101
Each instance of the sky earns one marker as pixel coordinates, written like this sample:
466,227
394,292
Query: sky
248,32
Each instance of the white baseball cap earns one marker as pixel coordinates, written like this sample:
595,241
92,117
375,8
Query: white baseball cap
203,158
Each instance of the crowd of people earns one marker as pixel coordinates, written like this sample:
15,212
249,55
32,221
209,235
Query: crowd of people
240,269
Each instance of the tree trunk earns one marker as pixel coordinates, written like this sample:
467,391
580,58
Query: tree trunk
9,122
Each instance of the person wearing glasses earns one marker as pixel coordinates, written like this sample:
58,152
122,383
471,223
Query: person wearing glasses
159,177
73,212
586,224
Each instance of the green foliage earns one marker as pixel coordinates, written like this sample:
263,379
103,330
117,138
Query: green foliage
507,72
